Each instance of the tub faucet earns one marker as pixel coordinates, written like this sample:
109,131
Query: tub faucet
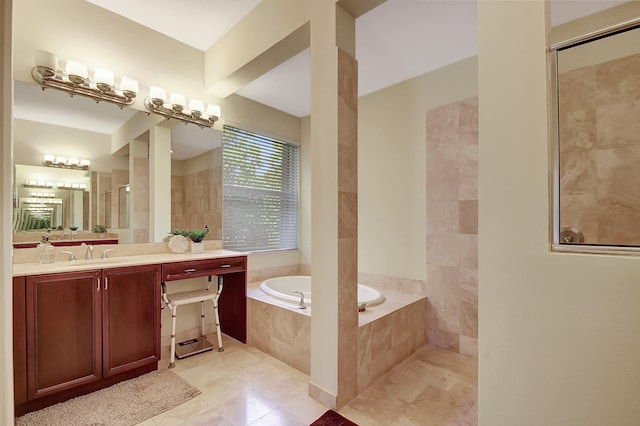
302,305
89,254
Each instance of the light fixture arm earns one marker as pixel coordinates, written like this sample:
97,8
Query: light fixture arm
55,80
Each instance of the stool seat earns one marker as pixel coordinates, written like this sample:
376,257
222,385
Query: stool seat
187,297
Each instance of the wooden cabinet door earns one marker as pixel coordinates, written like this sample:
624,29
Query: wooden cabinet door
19,341
64,340
131,318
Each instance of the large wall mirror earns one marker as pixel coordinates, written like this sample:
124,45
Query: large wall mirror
68,203
598,151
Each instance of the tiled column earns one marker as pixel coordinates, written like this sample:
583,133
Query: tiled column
334,219
452,226
139,191
159,183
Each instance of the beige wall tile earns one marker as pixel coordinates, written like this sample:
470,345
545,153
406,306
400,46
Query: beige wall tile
452,223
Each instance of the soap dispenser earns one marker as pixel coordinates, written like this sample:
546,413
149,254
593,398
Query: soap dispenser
45,249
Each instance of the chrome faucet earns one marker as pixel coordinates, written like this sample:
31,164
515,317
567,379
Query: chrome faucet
89,254
302,305
71,255
106,252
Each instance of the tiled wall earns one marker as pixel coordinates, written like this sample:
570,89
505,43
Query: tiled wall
140,218
599,155
196,201
386,342
452,226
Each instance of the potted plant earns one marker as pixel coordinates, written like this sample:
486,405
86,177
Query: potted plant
196,236
101,230
74,231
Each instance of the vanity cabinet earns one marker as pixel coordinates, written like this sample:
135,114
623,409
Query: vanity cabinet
84,331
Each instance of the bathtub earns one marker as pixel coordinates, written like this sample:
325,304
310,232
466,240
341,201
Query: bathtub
285,288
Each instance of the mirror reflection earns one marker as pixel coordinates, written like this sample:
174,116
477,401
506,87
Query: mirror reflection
115,190
599,141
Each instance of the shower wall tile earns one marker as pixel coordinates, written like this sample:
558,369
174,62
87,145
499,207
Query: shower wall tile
469,346
452,225
599,128
467,217
618,124
443,216
617,80
442,249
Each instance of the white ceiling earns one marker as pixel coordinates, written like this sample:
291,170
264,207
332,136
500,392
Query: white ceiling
396,41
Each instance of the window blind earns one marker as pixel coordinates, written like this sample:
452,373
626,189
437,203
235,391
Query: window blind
260,192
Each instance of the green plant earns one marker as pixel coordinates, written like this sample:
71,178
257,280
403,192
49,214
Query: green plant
99,229
73,228
196,235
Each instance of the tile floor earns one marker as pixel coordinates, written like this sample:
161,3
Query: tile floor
244,386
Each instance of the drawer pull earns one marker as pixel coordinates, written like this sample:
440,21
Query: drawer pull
225,266
187,271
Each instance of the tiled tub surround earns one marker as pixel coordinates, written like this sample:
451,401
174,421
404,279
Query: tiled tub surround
599,126
387,333
452,226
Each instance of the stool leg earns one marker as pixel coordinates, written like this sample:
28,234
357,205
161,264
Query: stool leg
217,318
172,364
202,318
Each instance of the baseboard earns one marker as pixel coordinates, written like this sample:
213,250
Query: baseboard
322,396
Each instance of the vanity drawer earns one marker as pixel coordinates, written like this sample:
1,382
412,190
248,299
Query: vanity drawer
201,268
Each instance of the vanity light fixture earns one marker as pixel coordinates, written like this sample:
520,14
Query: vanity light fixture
177,108
41,203
64,162
72,186
32,183
75,80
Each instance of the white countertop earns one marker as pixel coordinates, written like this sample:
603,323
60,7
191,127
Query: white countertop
25,269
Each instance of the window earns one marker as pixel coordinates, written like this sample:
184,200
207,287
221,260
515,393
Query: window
260,192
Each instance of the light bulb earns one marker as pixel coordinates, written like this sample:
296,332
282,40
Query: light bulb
104,79
46,62
178,101
196,105
129,87
158,93
77,72
213,110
